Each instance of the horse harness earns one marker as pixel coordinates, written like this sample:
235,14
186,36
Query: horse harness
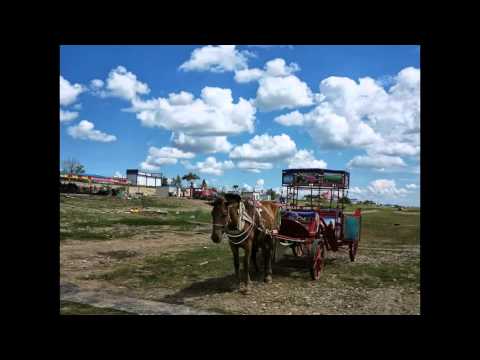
243,217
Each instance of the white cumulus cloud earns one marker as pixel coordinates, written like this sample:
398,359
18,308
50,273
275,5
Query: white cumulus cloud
305,159
69,92
254,166
294,118
385,187
120,83
365,115
213,114
278,88
96,84
164,156
248,75
66,116
85,131
277,93
265,148
210,166
201,144
397,148
278,67
182,98
381,190
376,162
219,58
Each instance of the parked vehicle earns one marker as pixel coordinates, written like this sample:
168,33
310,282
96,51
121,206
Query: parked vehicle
310,230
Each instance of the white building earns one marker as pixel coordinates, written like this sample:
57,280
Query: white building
251,195
139,178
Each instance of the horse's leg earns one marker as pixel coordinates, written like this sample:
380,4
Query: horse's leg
246,261
236,261
267,256
254,257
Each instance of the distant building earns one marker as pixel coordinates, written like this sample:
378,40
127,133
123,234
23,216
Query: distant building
139,178
250,195
255,195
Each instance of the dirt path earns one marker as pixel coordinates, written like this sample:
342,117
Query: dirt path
103,299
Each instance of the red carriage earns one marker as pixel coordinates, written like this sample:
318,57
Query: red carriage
310,228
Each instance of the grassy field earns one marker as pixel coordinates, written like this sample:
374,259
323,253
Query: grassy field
103,218
384,279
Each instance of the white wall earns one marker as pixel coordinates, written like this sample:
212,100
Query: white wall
141,180
150,181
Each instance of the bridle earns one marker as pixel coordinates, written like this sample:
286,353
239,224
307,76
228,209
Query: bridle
243,216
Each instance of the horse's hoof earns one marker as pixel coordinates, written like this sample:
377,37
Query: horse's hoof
246,289
268,279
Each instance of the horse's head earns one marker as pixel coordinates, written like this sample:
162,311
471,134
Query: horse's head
225,215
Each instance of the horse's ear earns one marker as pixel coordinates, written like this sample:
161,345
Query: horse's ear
233,197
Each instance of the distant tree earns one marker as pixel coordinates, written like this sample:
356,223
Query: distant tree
72,166
204,184
270,192
346,200
235,187
190,177
164,181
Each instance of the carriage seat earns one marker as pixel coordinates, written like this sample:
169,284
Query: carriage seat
309,219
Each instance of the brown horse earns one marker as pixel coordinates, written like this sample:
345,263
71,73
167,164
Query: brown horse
246,226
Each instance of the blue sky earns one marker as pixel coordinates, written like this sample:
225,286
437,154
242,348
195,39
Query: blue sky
168,109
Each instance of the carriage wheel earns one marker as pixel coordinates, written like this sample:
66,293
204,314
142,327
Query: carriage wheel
318,260
353,250
297,250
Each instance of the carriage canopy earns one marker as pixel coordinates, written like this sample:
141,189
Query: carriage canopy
317,178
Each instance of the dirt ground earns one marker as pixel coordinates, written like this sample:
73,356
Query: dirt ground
361,287
81,261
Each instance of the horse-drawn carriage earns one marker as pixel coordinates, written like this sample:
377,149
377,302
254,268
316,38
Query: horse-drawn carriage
312,228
